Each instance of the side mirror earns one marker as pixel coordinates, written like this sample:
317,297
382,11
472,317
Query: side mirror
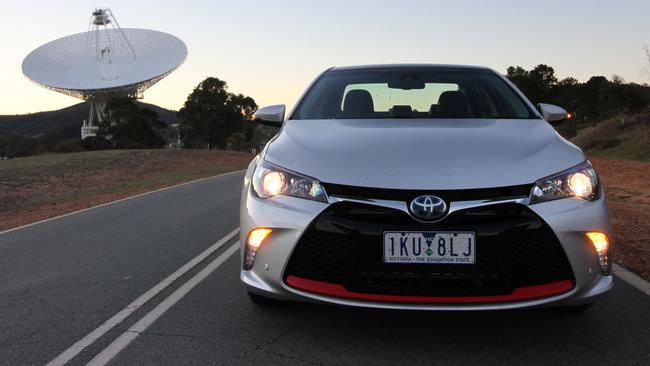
271,116
552,113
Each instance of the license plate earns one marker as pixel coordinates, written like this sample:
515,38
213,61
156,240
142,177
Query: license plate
429,247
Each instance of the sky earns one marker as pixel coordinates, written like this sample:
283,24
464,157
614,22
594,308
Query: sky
272,50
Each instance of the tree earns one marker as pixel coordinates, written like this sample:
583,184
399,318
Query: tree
568,82
12,146
128,126
517,72
211,114
618,79
521,78
236,141
543,76
592,101
536,83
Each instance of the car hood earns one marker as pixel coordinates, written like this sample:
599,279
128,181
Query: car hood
421,153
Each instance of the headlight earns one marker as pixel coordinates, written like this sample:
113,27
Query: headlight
580,181
270,180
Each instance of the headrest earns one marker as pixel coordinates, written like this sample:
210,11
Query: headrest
358,100
452,104
401,111
433,110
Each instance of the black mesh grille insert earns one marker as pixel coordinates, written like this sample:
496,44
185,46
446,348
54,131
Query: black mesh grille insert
340,190
514,248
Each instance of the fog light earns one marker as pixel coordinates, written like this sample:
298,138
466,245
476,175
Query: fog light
601,243
253,241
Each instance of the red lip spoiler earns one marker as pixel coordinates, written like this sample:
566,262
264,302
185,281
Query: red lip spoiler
519,294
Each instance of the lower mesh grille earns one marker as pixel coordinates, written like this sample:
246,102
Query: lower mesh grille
514,248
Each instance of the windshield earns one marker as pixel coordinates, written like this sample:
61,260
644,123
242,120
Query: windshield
412,93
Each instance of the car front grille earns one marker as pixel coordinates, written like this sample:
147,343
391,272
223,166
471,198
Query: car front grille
497,193
514,249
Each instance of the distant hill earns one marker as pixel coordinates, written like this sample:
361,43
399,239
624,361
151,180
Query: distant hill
41,124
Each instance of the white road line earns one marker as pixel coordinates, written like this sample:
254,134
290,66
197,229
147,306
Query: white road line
116,319
132,333
631,278
116,201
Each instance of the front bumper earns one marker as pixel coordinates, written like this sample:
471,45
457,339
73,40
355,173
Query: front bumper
289,218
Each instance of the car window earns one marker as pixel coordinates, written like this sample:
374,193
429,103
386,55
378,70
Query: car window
411,93
384,97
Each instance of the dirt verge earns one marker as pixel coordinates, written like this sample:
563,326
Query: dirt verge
45,186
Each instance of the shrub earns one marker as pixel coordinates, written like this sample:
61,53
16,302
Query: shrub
95,143
608,142
136,146
68,146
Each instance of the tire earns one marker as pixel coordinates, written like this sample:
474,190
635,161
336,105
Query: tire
261,300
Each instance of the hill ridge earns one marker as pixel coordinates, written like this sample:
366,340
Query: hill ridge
41,124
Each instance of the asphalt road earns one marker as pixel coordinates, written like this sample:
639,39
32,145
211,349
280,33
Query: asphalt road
61,279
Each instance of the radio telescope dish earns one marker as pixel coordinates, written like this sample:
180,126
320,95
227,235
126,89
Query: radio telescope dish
104,62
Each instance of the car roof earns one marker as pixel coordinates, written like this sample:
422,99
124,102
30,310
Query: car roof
408,66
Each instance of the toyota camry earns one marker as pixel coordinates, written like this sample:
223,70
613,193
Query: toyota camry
431,187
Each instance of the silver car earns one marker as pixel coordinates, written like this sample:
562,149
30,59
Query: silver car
431,187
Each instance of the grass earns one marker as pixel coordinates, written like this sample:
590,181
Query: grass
616,139
39,187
